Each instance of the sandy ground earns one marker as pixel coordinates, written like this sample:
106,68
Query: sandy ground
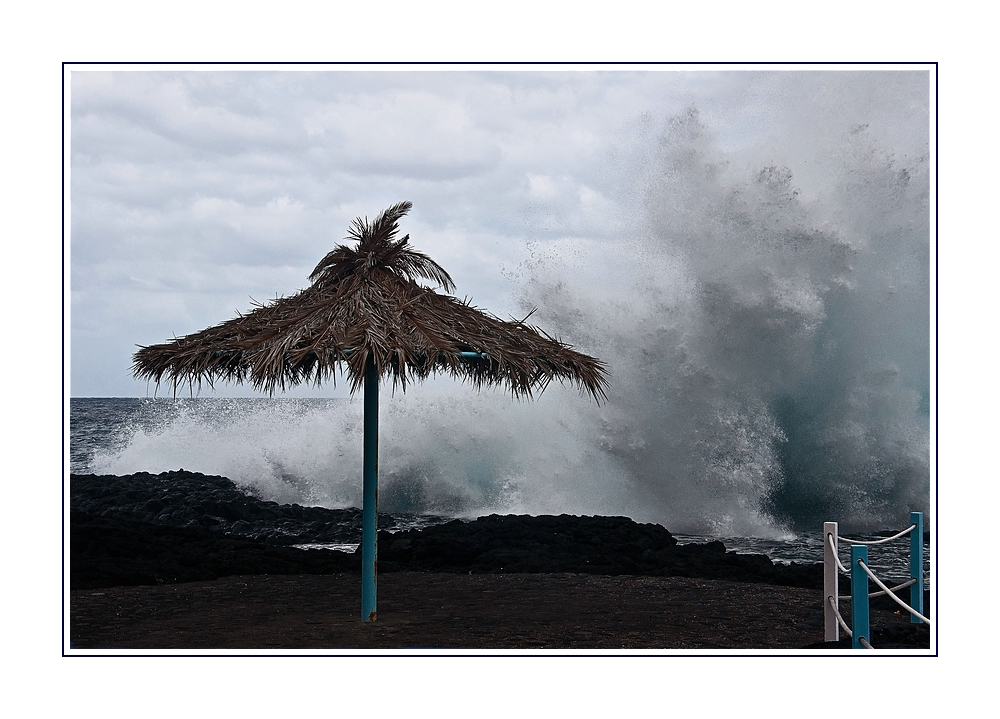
455,611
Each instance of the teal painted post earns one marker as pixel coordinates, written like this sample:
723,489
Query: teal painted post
917,565
859,597
369,509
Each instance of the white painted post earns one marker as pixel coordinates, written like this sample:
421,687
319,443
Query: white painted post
831,575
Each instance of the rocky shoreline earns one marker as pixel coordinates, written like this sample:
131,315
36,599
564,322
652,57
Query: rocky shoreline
143,543
184,526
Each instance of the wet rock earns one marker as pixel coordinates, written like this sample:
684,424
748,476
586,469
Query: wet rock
187,499
565,543
110,551
182,526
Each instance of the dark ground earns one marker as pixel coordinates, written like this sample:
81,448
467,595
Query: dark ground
185,561
428,610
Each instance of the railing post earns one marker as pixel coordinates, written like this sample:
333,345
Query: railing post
831,575
859,597
917,565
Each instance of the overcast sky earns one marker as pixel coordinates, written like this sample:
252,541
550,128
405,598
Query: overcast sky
194,191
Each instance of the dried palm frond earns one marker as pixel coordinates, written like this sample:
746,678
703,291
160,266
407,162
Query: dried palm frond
364,305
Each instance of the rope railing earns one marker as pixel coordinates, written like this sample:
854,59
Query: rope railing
893,597
861,574
879,593
880,541
836,613
830,539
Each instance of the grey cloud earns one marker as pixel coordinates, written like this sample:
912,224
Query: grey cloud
409,133
216,186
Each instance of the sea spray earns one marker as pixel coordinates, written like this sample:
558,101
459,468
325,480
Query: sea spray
443,450
276,448
770,355
768,341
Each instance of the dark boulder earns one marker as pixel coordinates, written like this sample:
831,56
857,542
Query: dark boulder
184,526
564,543
108,551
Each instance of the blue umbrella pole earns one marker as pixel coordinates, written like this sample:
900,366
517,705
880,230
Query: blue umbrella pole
369,510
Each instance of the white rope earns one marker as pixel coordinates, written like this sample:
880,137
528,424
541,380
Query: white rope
879,541
841,567
865,644
896,599
840,619
904,585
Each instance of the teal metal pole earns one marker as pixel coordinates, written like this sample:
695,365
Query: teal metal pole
859,597
917,565
369,509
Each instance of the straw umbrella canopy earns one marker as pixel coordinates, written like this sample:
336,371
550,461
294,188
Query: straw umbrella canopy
365,312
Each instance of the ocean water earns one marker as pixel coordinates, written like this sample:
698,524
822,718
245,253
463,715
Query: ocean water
299,451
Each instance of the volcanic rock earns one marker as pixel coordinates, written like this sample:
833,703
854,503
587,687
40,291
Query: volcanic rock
184,526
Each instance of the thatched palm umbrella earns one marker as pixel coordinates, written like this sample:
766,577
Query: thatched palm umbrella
366,311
